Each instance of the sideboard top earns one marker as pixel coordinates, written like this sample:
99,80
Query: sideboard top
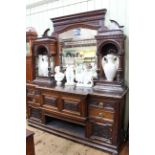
81,91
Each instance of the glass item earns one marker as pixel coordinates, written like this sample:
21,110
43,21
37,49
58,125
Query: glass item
78,46
78,55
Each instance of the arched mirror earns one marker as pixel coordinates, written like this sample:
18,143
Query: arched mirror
78,46
78,50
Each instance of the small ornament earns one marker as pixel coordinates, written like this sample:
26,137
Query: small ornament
70,75
59,76
84,76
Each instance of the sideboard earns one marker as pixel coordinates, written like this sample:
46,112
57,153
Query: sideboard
81,115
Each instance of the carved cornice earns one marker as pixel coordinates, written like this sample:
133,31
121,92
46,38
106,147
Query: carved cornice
91,19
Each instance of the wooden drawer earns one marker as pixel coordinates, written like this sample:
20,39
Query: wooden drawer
106,104
100,114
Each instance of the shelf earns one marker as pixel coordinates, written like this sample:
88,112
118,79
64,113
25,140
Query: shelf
65,127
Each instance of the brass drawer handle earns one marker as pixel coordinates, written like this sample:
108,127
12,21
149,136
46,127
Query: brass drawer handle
101,104
100,114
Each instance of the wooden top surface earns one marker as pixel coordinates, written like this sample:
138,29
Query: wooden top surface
81,91
29,133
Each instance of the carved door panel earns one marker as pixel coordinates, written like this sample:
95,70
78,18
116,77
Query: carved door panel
50,100
74,105
101,132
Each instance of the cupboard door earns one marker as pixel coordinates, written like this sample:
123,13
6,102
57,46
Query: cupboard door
101,132
50,101
71,105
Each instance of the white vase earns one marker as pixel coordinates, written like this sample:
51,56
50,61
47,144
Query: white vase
43,65
110,64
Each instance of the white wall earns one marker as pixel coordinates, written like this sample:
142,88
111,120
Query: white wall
39,17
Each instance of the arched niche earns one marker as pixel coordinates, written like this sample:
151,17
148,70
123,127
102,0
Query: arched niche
41,49
43,60
104,49
110,47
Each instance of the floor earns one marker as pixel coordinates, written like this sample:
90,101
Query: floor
48,144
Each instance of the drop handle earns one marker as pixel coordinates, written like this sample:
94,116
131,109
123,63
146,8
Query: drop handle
100,115
101,104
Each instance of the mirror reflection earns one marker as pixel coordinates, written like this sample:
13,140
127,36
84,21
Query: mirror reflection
78,47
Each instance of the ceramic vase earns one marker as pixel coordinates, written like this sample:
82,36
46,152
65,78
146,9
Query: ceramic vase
43,65
110,64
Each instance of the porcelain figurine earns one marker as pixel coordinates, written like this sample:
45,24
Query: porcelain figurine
84,76
59,76
70,75
110,64
43,65
88,77
79,74
94,70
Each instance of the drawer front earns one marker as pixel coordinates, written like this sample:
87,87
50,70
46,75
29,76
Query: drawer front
100,114
101,132
99,102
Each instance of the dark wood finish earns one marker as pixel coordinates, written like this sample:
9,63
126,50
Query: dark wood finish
31,35
100,114
29,73
92,20
91,116
30,149
49,45
111,40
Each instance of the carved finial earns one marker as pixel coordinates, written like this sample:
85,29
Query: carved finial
45,34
